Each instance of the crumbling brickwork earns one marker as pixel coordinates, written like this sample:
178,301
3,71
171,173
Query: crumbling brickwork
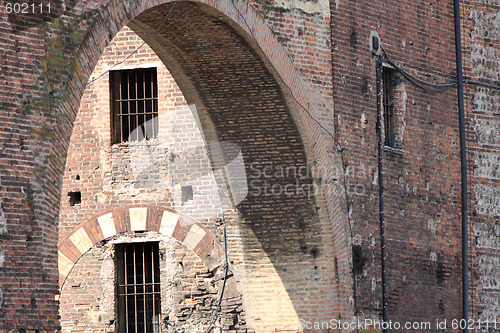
153,172
189,291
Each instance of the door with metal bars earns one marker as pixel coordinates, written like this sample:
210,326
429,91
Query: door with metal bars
138,287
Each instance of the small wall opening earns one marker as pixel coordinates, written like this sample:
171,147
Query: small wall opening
187,193
75,198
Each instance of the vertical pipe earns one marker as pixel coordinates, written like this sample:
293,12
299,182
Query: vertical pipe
378,66
463,162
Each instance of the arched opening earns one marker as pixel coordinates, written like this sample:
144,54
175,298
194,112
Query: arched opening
281,244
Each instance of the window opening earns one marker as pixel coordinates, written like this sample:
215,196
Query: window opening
187,193
138,287
389,83
75,198
134,96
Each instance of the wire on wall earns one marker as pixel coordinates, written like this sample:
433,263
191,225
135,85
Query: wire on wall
429,86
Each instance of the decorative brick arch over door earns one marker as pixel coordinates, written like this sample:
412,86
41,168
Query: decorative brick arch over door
138,219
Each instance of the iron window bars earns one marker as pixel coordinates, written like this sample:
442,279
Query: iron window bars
134,105
388,76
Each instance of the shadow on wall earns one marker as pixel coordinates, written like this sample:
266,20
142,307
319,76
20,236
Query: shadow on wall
279,237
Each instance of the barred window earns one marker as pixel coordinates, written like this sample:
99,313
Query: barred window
138,287
388,81
134,105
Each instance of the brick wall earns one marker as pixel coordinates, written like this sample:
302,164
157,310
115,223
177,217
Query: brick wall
108,174
481,31
28,231
422,172
239,99
189,291
421,177
153,172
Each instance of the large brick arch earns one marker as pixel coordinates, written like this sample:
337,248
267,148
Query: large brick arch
283,238
143,218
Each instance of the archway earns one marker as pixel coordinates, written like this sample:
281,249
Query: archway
241,101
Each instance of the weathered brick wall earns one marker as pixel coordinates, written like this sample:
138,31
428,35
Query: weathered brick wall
482,45
28,228
74,36
422,188
219,69
153,172
108,174
421,175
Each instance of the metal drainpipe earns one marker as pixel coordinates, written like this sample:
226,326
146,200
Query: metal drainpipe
378,66
463,163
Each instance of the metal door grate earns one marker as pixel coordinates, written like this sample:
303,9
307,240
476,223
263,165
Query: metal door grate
138,286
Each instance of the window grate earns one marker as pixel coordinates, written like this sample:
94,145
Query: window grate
134,95
388,76
138,287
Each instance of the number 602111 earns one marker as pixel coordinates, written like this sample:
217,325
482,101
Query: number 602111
27,8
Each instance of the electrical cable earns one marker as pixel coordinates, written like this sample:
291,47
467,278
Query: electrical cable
415,80
434,87
226,264
167,323
339,147
383,252
482,84
419,82
282,80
